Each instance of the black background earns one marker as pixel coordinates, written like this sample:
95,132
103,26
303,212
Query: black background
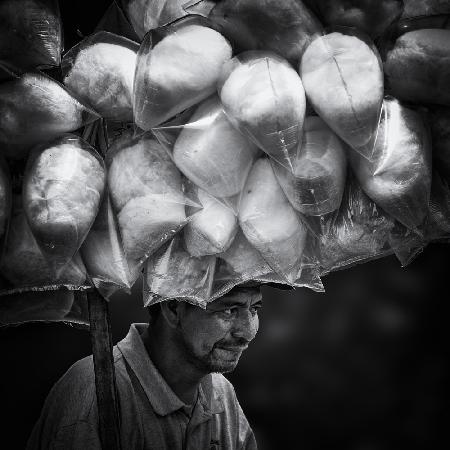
363,367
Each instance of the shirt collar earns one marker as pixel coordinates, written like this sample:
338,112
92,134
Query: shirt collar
160,395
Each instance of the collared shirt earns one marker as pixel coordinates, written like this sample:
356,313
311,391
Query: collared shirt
152,417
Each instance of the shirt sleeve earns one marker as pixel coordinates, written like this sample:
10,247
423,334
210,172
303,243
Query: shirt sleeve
78,436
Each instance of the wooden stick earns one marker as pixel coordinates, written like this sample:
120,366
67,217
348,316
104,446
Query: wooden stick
105,380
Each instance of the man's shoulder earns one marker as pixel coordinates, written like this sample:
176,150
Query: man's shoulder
223,388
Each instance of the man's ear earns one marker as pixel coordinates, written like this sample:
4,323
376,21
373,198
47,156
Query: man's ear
171,312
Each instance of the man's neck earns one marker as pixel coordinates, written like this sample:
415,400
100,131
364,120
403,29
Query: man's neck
182,377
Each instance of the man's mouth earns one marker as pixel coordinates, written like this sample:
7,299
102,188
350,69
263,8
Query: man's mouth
232,348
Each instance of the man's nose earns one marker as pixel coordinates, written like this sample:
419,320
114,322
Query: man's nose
245,326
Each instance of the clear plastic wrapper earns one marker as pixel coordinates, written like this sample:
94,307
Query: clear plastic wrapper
242,264
30,33
270,223
263,96
416,56
115,21
146,15
62,192
398,179
210,230
317,182
343,79
370,16
103,254
23,264
358,232
147,194
210,151
285,28
416,8
35,109
100,72
172,273
178,66
61,305
439,121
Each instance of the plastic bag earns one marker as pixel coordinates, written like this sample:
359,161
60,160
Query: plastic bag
416,60
62,305
285,28
30,33
319,171
104,256
114,21
242,264
147,195
343,80
100,71
210,151
146,15
172,273
270,223
439,121
178,66
25,267
35,109
62,192
210,230
358,232
370,16
263,97
398,179
416,8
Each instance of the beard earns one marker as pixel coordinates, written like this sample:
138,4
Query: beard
221,358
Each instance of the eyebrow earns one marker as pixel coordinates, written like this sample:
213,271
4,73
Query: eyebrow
230,302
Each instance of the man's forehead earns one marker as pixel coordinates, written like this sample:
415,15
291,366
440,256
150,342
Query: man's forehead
239,297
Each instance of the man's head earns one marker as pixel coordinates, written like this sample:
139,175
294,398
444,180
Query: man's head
213,339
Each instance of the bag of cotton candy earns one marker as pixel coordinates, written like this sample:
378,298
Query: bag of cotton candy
35,109
100,71
264,98
147,195
30,33
62,193
343,79
178,66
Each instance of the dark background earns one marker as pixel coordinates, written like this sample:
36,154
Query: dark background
363,367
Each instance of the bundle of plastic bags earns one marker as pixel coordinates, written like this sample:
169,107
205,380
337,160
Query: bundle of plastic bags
215,144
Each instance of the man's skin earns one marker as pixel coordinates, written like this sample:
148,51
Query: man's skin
187,342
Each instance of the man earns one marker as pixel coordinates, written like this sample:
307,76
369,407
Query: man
171,391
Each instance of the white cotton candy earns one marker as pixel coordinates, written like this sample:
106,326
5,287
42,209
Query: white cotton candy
212,229
264,96
102,76
147,195
212,153
177,73
270,223
316,184
343,80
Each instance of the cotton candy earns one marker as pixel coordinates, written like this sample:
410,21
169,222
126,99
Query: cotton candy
102,76
264,97
212,153
343,80
178,72
270,223
211,230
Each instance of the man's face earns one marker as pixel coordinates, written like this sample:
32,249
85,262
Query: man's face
215,338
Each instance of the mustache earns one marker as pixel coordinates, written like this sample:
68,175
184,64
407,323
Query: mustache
235,343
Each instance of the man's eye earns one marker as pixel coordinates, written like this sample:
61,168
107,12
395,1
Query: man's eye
254,310
229,312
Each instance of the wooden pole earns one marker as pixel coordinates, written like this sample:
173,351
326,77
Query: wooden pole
105,380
